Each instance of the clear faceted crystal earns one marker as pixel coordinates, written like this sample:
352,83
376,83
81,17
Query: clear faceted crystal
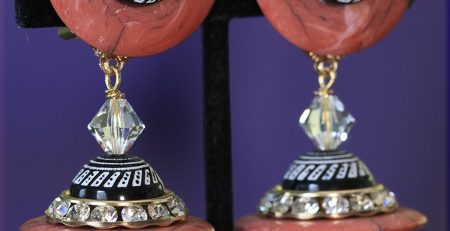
282,204
326,122
158,211
78,212
116,126
177,207
361,203
104,214
266,202
133,213
61,209
52,206
336,205
384,199
305,205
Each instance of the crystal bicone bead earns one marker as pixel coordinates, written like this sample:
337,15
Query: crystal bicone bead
327,122
104,214
133,213
116,126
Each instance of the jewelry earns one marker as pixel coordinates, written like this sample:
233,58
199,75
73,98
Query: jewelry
117,189
329,183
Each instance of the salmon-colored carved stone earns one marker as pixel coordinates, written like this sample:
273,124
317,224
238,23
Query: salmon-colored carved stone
336,29
132,30
191,224
401,220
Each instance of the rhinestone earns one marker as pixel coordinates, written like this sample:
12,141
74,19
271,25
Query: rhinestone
266,203
361,203
177,207
78,212
306,205
61,208
104,214
385,199
282,203
336,205
116,126
133,213
51,207
326,122
158,211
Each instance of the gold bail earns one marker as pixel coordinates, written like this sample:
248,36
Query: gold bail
326,67
105,60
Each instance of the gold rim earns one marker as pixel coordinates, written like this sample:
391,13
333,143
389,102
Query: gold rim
304,205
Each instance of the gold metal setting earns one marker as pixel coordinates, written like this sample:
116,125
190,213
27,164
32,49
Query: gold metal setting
326,68
118,205
381,199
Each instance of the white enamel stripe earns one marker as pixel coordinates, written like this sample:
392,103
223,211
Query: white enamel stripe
330,172
117,169
128,158
342,171
89,178
306,172
317,172
326,157
124,181
296,171
325,161
100,179
137,179
79,173
148,180
155,177
111,180
353,173
81,177
289,171
110,163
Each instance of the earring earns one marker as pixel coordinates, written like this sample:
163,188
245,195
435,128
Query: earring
118,189
329,182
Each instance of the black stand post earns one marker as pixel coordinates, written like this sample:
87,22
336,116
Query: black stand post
217,124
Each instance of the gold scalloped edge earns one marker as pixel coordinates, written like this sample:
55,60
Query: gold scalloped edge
319,196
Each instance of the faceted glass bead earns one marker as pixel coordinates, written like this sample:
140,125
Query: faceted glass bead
104,214
361,203
336,205
79,212
384,199
61,209
116,126
282,204
158,211
133,213
326,122
177,207
266,203
305,205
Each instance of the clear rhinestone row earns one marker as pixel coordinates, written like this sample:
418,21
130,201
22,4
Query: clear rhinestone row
287,204
64,210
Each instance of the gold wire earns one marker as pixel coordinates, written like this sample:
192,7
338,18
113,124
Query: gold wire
326,67
112,67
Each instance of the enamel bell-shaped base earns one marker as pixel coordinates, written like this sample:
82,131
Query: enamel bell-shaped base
117,189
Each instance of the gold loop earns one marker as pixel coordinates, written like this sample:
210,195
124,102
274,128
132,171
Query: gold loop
326,67
112,67
118,79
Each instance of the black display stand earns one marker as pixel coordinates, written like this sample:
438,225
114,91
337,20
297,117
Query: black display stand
217,123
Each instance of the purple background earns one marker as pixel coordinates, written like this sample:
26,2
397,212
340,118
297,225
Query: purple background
396,90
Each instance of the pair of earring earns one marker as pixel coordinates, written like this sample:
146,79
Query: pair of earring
121,190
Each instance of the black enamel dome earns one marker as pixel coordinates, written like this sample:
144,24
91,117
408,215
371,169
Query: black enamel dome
117,178
327,170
